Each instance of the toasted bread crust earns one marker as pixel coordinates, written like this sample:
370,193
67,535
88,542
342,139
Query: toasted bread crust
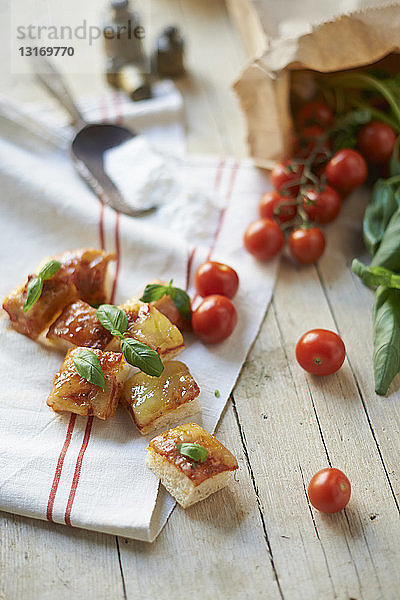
219,458
72,393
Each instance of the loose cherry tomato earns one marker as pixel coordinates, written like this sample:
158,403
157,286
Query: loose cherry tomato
214,319
322,206
263,239
346,170
307,245
329,490
320,352
376,141
216,278
285,177
274,206
314,113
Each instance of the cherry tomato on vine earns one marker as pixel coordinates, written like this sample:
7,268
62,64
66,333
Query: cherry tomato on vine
307,141
307,245
314,113
320,352
216,278
274,206
264,239
376,141
214,319
346,170
285,177
322,206
329,490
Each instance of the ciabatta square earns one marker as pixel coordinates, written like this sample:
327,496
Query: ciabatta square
186,480
78,325
72,393
84,274
147,325
159,402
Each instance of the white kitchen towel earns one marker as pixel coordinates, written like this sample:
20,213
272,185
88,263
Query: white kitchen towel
84,472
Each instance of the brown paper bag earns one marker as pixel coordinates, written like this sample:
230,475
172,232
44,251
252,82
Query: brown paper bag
290,64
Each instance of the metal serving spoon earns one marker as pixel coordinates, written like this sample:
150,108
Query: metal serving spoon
90,142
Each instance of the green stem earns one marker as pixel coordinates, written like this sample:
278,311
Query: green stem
378,114
365,81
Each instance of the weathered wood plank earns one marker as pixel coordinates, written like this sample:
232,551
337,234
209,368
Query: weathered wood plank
43,561
294,425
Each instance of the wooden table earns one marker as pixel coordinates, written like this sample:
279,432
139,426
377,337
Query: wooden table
260,538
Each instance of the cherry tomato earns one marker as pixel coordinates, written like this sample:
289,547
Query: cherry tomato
346,170
285,177
216,278
307,245
263,239
320,352
214,319
274,206
314,113
376,141
322,206
308,139
329,490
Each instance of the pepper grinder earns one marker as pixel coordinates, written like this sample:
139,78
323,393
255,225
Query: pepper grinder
169,53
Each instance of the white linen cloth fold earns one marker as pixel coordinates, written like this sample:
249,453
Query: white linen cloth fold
80,471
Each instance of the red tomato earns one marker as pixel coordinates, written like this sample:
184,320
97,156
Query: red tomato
329,490
216,278
214,319
314,113
376,141
286,176
274,206
346,170
320,352
322,206
307,245
263,239
309,138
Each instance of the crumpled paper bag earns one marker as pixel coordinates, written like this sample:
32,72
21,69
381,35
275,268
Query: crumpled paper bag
303,48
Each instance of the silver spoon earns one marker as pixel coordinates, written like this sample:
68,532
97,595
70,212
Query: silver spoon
90,142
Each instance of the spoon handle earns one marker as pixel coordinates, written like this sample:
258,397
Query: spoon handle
52,80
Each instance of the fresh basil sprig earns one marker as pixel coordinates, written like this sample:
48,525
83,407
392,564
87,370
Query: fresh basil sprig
381,227
195,452
88,366
376,276
136,353
155,291
386,338
35,286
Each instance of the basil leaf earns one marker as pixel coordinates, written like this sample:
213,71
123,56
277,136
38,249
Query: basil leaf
141,356
394,165
34,289
388,253
49,269
386,338
88,366
193,451
112,318
153,292
384,202
375,276
181,301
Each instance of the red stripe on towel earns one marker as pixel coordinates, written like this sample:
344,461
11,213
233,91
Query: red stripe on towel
228,196
77,472
117,256
60,462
